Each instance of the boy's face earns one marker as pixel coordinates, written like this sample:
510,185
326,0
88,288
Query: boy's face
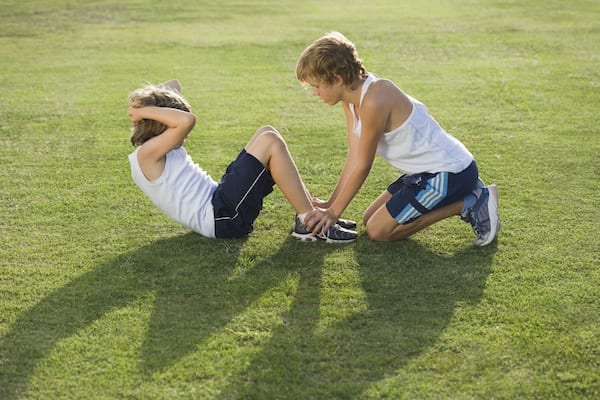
327,92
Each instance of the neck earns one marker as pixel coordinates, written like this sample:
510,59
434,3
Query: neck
352,92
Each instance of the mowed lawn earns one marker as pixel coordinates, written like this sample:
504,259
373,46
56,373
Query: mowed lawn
103,297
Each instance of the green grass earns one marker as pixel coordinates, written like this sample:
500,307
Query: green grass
101,296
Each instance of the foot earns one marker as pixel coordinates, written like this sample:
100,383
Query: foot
346,223
335,234
483,217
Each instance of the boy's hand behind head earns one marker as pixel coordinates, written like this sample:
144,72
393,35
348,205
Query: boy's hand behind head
133,114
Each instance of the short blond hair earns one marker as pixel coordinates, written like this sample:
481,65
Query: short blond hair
330,56
157,96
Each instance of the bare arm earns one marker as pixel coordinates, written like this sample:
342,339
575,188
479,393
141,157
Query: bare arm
374,114
373,118
350,159
151,155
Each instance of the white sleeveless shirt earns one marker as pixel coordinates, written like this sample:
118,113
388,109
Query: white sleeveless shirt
183,192
419,144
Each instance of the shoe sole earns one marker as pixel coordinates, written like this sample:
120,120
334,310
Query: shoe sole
493,213
304,237
309,237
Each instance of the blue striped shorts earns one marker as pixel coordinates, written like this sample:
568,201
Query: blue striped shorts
418,194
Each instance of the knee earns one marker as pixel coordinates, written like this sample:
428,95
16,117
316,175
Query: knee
377,236
385,232
376,232
269,135
267,130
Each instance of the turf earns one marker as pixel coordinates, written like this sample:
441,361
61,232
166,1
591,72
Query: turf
101,296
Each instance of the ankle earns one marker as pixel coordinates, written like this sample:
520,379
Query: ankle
468,203
302,216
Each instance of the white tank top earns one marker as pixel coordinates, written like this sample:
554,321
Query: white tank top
419,144
183,191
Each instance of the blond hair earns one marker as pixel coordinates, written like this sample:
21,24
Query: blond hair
157,96
330,56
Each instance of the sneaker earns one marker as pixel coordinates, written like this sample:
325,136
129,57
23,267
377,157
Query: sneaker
346,223
483,217
335,234
480,184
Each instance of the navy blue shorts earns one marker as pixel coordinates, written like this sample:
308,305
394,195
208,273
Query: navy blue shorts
239,197
418,194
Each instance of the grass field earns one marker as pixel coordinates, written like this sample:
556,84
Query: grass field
102,297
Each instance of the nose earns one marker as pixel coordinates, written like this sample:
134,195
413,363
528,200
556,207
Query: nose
315,92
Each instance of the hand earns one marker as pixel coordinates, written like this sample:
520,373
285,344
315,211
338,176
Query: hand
134,115
319,220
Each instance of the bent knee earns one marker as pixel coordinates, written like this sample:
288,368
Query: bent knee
387,232
376,232
270,135
379,224
376,236
268,129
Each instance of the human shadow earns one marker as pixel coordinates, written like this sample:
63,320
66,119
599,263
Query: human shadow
208,300
410,291
168,264
194,285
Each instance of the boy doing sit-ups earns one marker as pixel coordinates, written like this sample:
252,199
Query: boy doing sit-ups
161,122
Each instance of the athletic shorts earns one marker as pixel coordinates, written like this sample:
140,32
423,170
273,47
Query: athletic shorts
238,199
418,194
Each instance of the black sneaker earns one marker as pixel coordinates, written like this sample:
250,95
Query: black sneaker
335,234
346,223
483,217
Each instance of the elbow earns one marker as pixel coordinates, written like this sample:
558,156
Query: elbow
192,119
189,120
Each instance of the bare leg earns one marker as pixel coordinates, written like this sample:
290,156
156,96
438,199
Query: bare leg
376,205
382,227
270,149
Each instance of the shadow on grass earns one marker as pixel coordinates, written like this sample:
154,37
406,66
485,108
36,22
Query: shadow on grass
410,294
195,291
170,269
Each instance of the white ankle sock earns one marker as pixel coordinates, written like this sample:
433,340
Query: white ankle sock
302,216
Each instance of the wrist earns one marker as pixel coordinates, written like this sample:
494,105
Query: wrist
332,214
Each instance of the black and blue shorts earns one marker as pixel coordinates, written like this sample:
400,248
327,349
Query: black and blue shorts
238,199
418,194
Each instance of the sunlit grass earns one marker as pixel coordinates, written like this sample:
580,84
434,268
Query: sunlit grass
101,296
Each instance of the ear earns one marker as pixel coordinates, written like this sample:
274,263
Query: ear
339,80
